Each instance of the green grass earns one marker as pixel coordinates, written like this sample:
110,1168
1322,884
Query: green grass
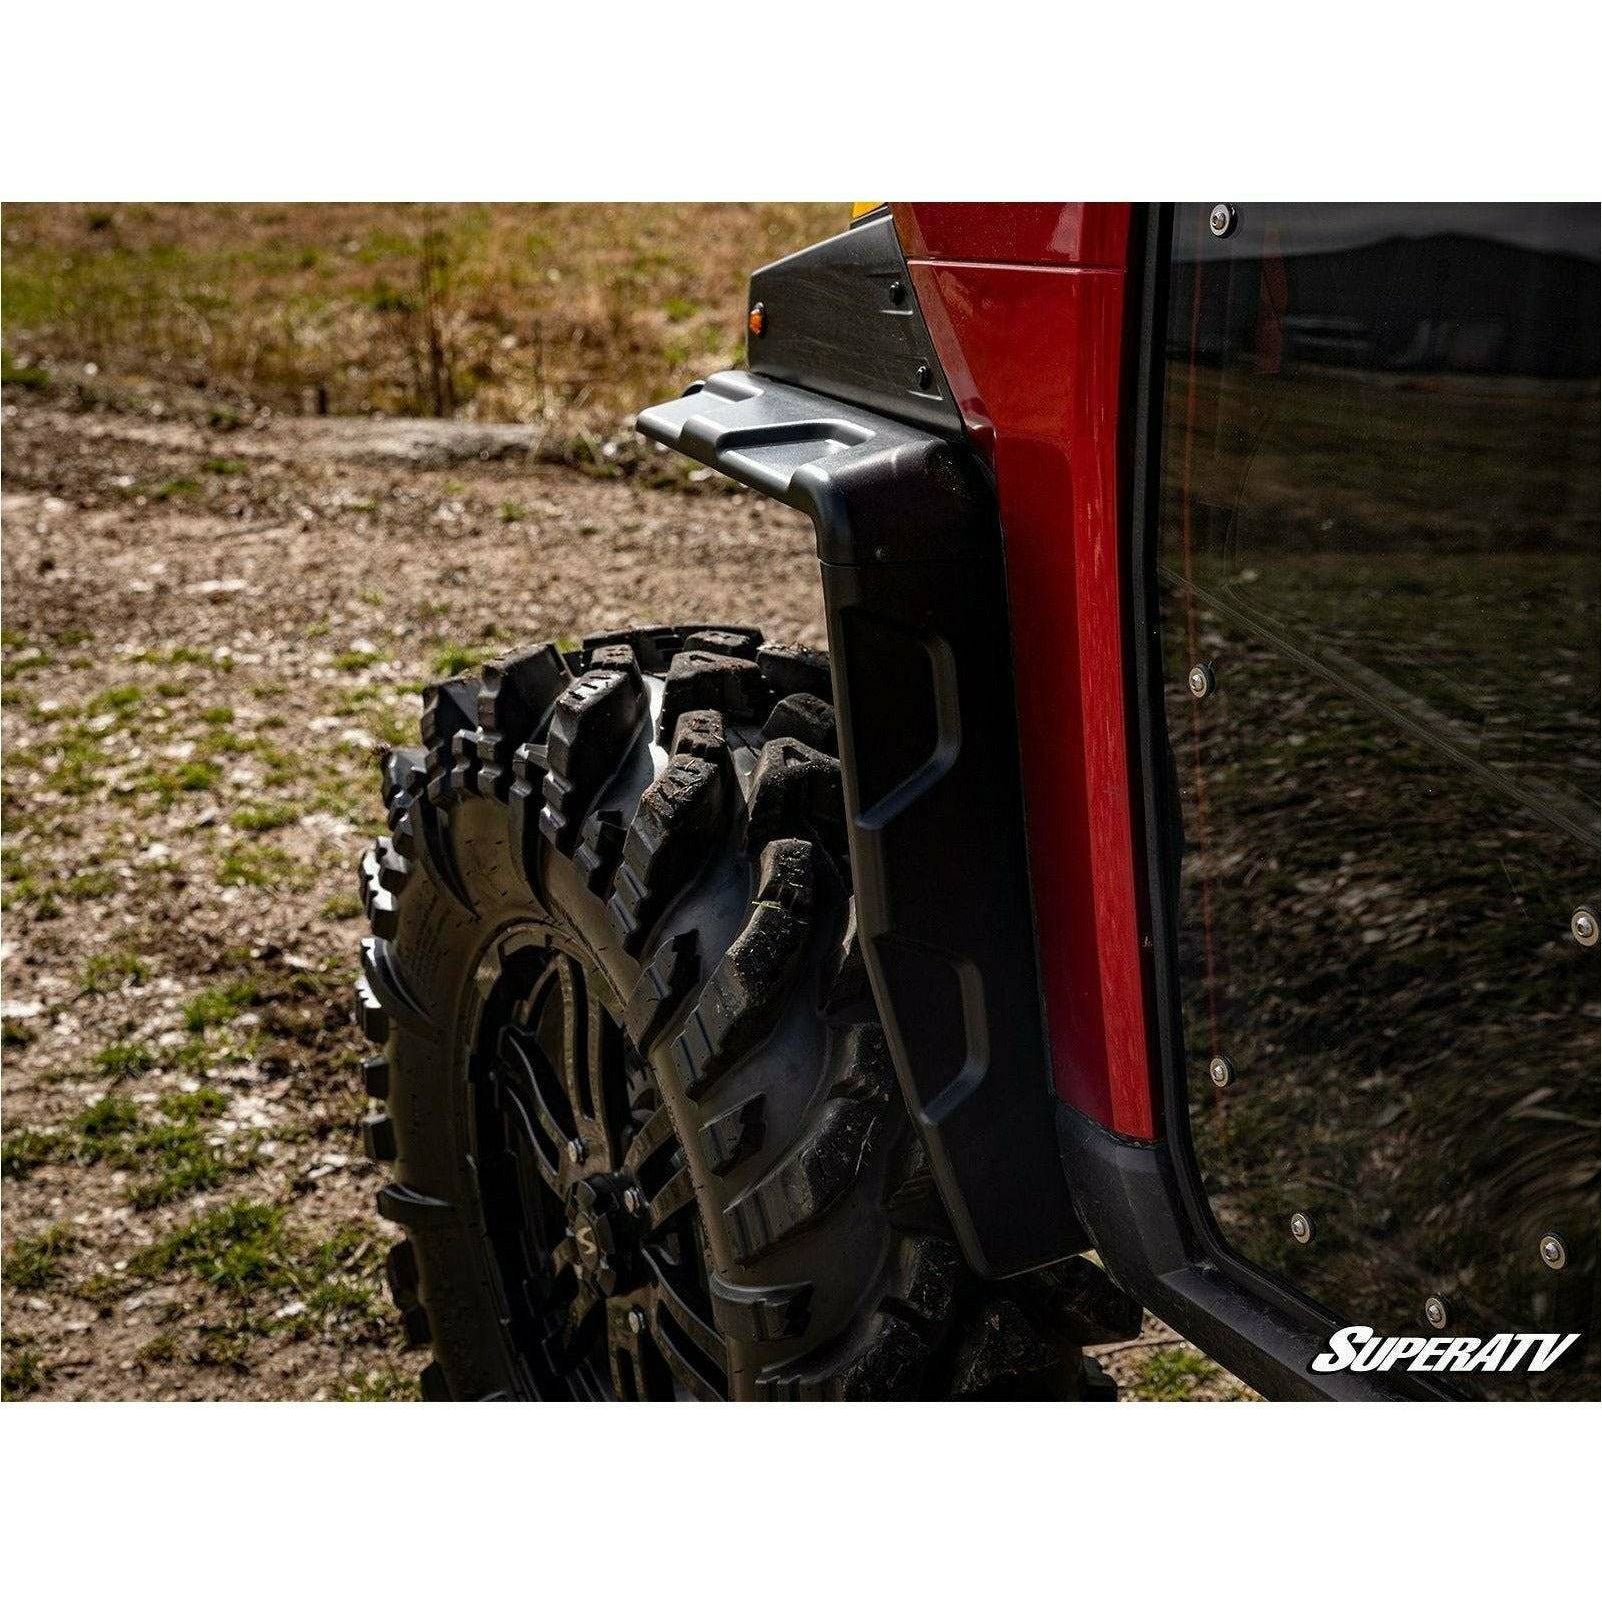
193,777
354,661
450,660
261,819
1172,1374
387,1384
260,866
234,1247
28,377
24,1370
125,1060
107,1118
219,1005
113,970
338,908
27,1149
174,489
16,1034
36,1260
90,885
120,698
251,1249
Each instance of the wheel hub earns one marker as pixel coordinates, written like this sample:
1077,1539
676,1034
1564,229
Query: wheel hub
603,1233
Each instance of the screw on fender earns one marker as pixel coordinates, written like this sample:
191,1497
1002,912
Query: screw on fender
1221,220
1436,1313
1221,1071
1554,1252
1201,680
1301,1228
1583,926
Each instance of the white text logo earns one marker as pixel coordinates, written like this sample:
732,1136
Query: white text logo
1359,1349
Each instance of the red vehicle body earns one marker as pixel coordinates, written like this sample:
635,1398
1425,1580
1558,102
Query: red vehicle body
1026,308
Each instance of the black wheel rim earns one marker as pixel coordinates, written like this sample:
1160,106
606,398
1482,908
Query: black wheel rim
588,1202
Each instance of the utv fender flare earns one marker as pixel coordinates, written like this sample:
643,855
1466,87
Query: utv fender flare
914,593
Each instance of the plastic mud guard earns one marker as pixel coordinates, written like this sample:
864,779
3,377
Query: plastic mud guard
913,583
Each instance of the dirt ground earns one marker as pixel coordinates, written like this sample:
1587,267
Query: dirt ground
208,633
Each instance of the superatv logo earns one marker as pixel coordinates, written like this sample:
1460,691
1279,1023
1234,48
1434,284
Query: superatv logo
1359,1349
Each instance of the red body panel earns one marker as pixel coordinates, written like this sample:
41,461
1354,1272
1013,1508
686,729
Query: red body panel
1035,234
1026,308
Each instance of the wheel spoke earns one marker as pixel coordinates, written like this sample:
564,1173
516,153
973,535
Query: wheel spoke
520,1095
672,1198
567,1347
572,1074
655,1133
669,1299
596,1058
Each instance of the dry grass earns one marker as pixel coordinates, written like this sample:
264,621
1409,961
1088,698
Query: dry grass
504,312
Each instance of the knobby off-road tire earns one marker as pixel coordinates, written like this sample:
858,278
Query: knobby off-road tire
646,1137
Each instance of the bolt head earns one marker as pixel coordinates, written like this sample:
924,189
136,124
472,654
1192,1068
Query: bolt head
898,291
1221,1071
1301,1228
1436,1312
1583,926
925,376
575,1151
1554,1253
1200,680
636,1321
1221,220
633,1200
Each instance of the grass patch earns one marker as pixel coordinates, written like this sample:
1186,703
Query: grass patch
1172,1374
24,1370
107,1118
29,1149
339,908
120,698
90,885
16,1034
187,778
353,661
450,660
125,1060
22,376
219,1005
260,866
107,971
35,1261
234,1247
387,1384
261,819
174,489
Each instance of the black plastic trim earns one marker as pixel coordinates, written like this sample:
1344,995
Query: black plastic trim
920,652
842,318
1130,1199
